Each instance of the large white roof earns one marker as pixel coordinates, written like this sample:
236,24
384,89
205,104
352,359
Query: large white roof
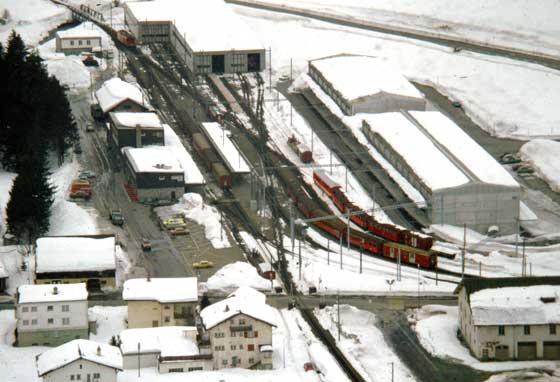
152,159
69,352
201,22
149,120
464,148
75,254
359,76
228,151
51,293
516,306
181,289
84,30
418,151
166,340
244,300
115,91
174,144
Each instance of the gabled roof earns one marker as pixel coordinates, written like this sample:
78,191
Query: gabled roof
245,301
63,355
164,290
52,293
115,91
131,120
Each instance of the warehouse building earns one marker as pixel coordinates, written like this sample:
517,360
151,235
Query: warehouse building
461,182
361,84
193,30
154,173
134,130
511,318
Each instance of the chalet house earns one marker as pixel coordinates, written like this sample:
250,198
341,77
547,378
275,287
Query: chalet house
116,95
51,315
238,330
511,318
134,130
153,173
80,360
154,302
84,38
76,259
170,349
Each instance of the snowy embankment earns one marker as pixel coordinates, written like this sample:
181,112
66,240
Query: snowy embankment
437,331
529,107
232,276
32,19
362,343
192,206
543,157
500,22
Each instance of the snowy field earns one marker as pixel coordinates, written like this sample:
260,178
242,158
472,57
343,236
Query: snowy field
363,343
508,98
543,157
513,23
437,330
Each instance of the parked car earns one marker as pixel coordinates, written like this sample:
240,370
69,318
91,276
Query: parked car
522,168
87,174
117,217
203,264
80,194
174,223
456,104
90,127
146,245
179,231
77,148
509,158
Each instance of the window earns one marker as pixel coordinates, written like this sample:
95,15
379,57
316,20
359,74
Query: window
25,309
71,377
79,376
501,330
49,308
526,330
251,347
232,334
161,178
96,375
251,361
167,319
155,324
219,335
66,321
166,307
195,368
65,308
241,347
242,322
50,321
33,308
33,322
80,42
176,370
552,329
25,322
233,347
256,333
224,362
88,42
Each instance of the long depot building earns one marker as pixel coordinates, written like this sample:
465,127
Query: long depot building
191,27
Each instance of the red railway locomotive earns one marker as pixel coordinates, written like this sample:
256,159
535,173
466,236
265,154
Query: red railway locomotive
301,149
367,222
126,37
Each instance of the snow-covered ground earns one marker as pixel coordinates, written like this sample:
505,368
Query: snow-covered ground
437,330
363,344
109,320
505,97
232,276
512,23
543,156
192,206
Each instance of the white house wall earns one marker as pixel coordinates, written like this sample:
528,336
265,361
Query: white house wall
82,368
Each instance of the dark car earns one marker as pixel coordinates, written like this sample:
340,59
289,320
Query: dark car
77,148
456,104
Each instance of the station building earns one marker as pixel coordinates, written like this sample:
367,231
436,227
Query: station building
206,35
84,38
116,95
134,130
154,173
361,84
461,182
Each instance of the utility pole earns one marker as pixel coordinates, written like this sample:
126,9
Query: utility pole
463,251
338,313
340,248
270,67
348,232
291,69
361,250
524,262
221,226
138,359
292,227
392,372
328,251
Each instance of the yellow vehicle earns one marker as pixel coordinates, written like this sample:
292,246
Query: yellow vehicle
203,264
173,223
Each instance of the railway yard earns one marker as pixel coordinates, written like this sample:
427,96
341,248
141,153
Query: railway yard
288,183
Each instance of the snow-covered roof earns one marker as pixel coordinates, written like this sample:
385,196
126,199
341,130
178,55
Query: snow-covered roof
126,119
198,22
180,289
174,144
516,305
115,91
69,352
464,148
84,30
51,293
418,151
359,76
75,254
152,159
244,300
227,150
167,340
326,178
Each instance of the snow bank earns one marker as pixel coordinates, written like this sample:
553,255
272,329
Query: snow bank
233,276
110,321
6,180
543,156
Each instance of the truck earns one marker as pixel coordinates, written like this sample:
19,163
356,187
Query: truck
80,189
117,217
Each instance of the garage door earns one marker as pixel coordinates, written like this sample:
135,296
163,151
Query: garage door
551,350
526,351
502,353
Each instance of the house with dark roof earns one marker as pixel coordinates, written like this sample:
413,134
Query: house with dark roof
511,318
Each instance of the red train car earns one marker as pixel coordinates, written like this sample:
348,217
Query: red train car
425,259
126,37
324,181
301,149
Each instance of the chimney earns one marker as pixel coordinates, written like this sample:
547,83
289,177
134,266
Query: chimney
148,279
226,309
55,290
99,351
